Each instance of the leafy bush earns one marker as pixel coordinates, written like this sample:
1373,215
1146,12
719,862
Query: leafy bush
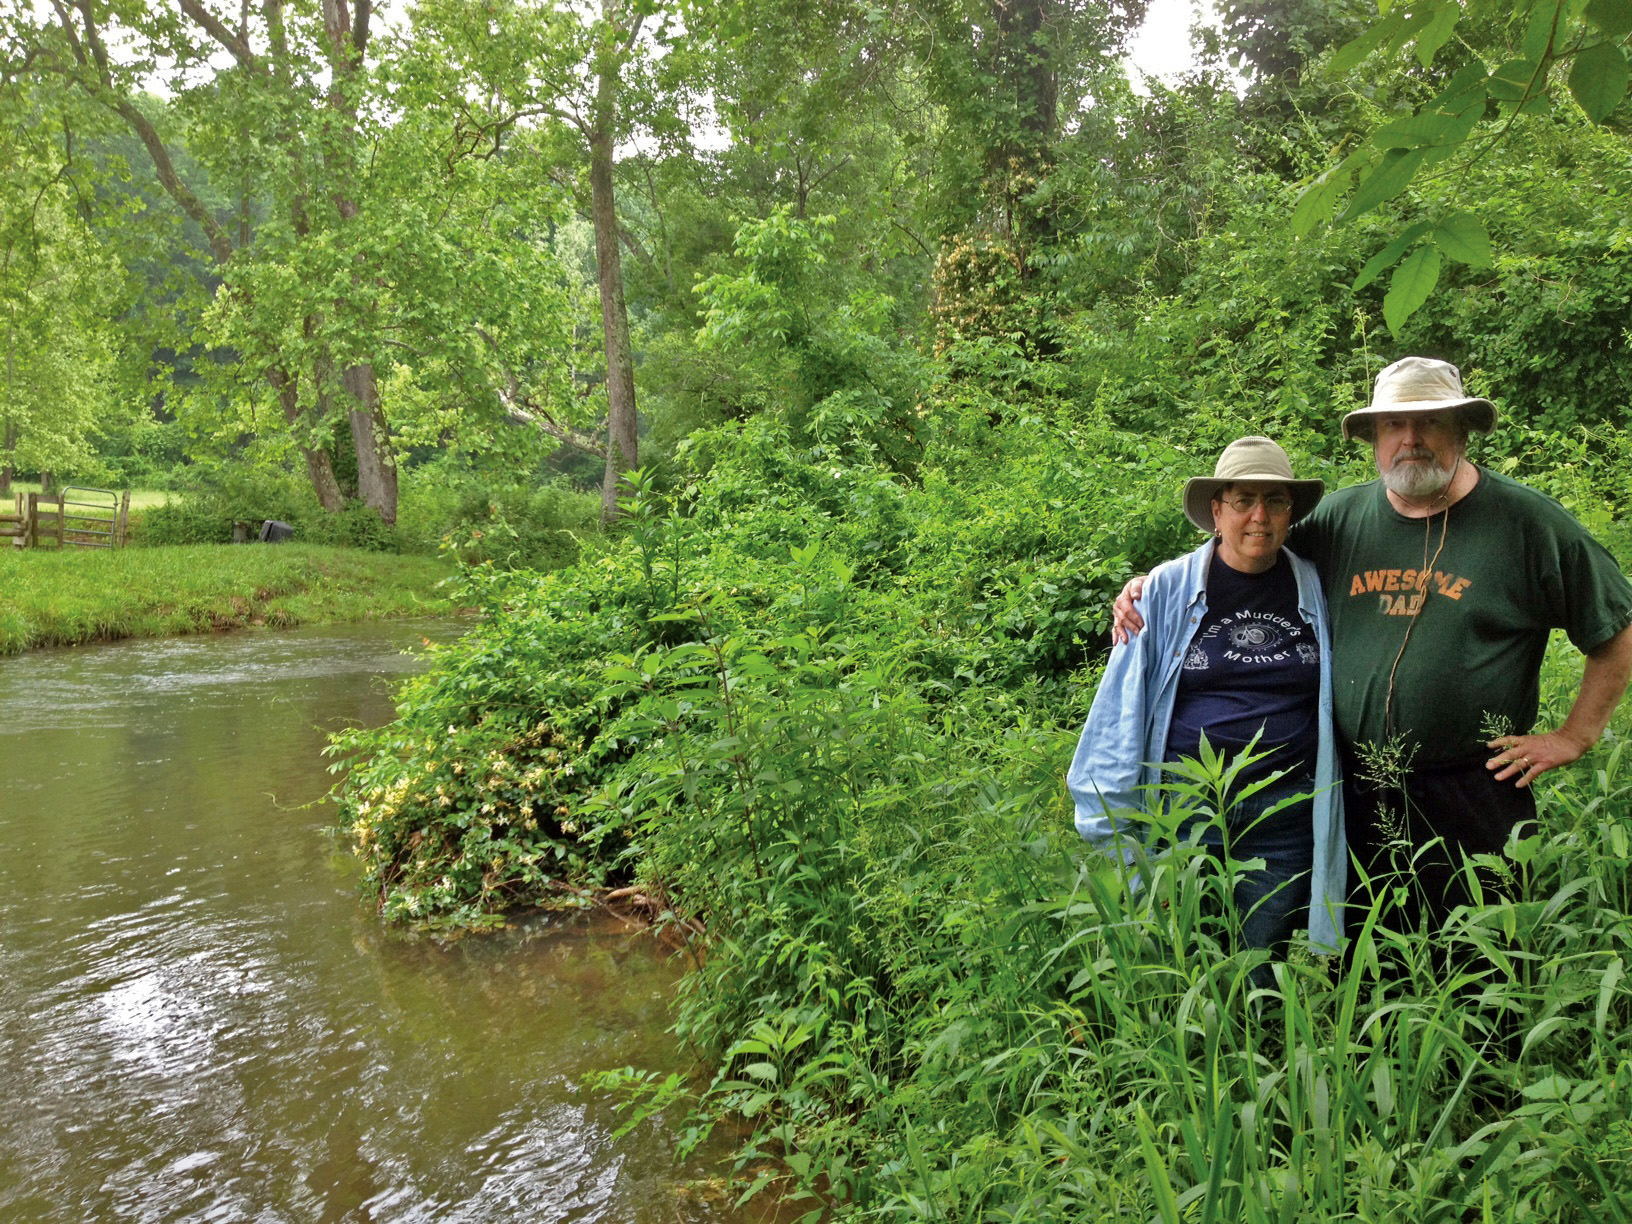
240,494
188,520
510,525
519,528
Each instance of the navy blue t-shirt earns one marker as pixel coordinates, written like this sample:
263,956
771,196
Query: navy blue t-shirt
1253,663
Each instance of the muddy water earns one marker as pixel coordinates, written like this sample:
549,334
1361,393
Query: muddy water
200,1021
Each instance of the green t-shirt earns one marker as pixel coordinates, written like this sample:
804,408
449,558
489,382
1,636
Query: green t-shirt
1477,588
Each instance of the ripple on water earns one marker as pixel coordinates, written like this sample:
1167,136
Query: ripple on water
199,1021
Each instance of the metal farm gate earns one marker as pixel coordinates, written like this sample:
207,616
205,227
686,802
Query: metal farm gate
77,517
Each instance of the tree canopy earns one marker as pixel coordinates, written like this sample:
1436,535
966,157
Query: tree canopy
310,234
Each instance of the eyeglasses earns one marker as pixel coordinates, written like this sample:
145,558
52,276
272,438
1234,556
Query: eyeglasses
1243,503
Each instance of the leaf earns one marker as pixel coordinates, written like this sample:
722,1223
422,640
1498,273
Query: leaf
1161,1184
1349,55
1512,81
1542,32
1429,129
1415,21
1464,90
1613,17
1437,33
1315,203
1613,973
1463,237
1384,259
1598,80
1412,132
1541,1032
1410,286
1390,177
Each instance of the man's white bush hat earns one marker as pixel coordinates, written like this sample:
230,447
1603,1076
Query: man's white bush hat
1419,384
1248,459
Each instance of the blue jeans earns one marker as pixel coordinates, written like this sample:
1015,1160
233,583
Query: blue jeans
1274,901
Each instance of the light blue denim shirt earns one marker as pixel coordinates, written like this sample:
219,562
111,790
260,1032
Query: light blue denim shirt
1125,738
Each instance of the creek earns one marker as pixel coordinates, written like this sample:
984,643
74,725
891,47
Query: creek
201,1020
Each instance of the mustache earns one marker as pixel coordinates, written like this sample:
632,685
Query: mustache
1415,452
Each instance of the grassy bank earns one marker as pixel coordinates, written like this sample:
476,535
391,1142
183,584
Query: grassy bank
49,598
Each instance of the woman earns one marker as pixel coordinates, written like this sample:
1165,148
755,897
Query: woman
1237,649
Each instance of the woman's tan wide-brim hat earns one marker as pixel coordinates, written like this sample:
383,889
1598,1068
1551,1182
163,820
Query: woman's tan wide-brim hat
1248,459
1419,384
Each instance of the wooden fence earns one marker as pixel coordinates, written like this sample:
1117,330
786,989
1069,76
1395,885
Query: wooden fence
77,517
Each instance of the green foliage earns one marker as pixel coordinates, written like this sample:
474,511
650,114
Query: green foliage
516,528
444,506
58,291
1535,43
828,357
478,825
819,714
248,495
944,585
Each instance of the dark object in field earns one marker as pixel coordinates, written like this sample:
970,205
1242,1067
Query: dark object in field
274,532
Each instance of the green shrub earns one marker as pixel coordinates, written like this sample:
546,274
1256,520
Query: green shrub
188,520
522,528
247,494
355,526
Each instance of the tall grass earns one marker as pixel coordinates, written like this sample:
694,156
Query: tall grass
51,598
933,1003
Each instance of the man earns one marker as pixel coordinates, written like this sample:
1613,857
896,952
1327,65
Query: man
1443,581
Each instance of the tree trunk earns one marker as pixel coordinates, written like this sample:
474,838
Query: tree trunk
319,467
1022,158
376,465
371,436
622,443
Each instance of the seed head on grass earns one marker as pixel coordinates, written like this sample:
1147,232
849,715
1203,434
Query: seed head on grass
1493,726
1386,763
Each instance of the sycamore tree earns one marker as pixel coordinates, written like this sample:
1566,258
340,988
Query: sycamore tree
448,279
282,120
564,87
349,228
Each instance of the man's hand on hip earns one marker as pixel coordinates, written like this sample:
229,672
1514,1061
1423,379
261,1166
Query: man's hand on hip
1524,758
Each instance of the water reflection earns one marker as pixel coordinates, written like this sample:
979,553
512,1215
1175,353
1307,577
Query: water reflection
198,1020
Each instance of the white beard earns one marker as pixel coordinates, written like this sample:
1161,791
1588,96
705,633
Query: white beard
1418,481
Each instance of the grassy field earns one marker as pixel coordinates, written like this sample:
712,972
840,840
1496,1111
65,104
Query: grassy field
49,598
140,499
